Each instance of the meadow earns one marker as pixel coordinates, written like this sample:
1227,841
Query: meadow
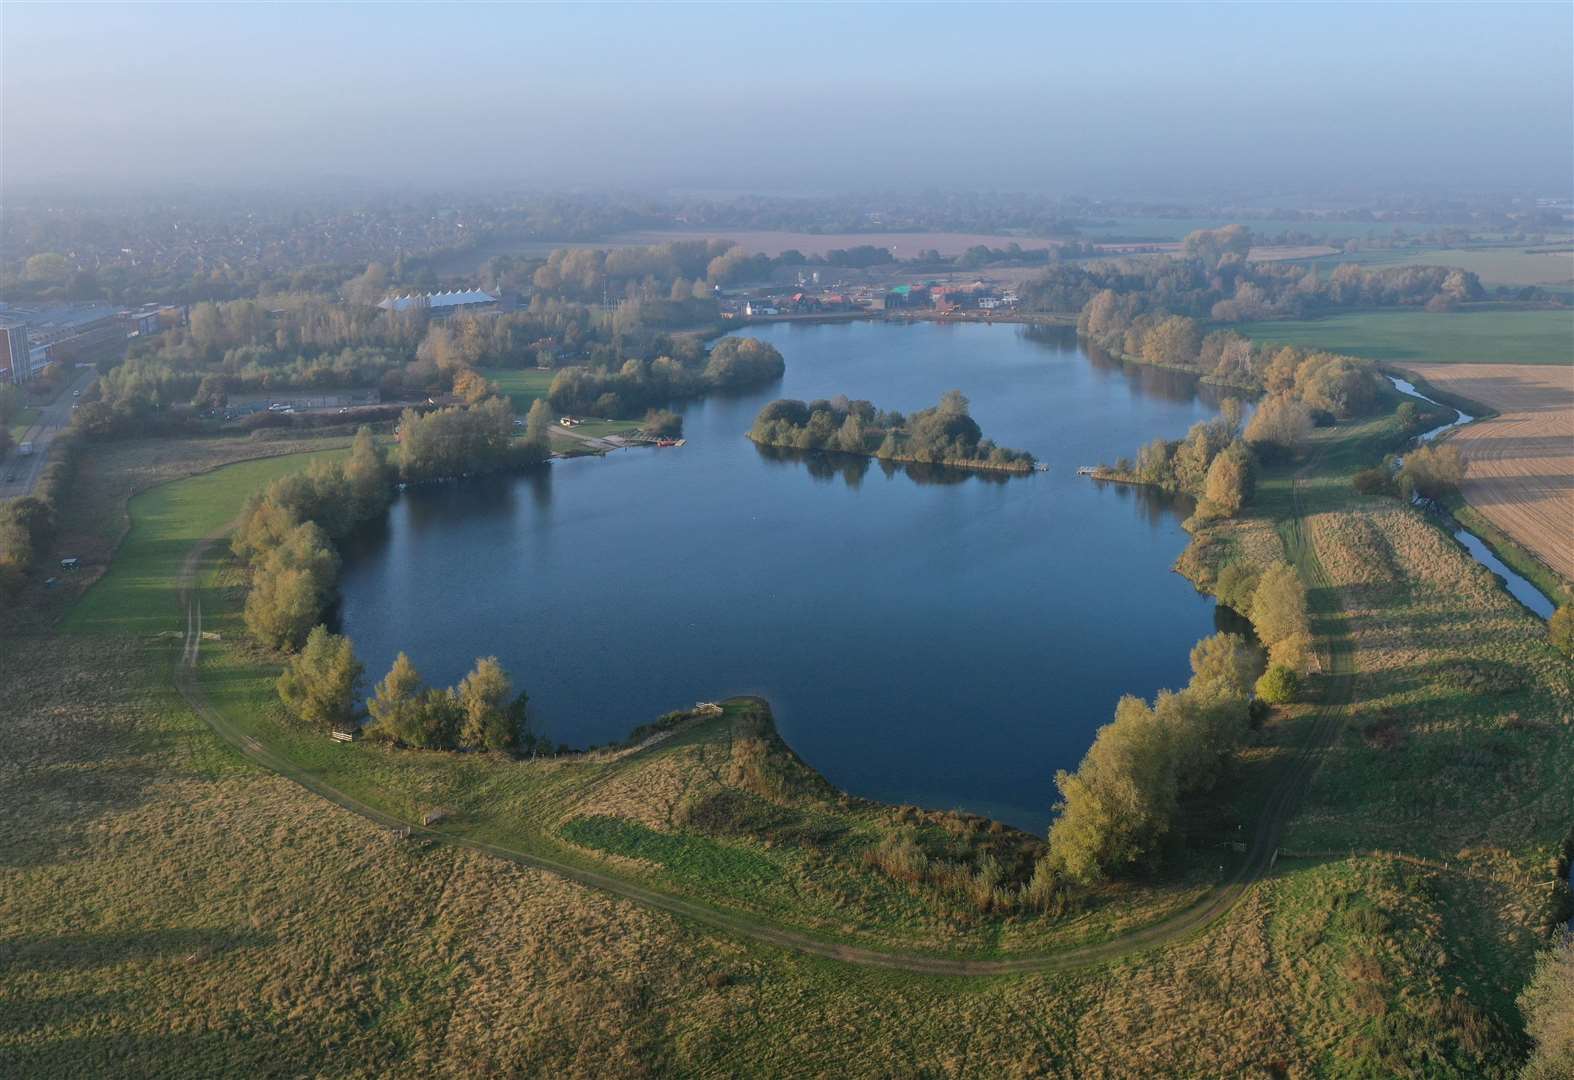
166,905
1543,336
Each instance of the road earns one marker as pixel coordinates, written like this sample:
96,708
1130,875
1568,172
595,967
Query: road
52,420
1295,778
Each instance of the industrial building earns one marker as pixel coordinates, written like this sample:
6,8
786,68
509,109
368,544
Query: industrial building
442,303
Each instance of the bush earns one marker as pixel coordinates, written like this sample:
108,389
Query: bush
1560,630
1278,685
663,422
1375,481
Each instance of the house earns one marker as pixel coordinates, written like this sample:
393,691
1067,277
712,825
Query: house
756,308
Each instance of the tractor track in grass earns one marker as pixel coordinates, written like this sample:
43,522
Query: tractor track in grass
1260,855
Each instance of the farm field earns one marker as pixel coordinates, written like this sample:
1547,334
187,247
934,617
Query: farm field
1509,265
1520,463
1544,336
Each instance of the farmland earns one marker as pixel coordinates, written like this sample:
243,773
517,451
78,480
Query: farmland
167,902
1520,463
1468,337
1509,265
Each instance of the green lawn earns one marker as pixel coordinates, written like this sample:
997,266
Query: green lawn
137,594
22,421
1471,337
522,385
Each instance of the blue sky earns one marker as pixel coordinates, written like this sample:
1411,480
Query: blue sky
794,96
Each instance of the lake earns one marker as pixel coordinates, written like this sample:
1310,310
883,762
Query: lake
938,638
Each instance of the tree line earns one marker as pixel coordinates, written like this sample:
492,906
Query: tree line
1212,279
640,385
286,539
943,435
1122,808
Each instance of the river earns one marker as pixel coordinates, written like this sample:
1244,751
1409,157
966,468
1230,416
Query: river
945,639
1518,586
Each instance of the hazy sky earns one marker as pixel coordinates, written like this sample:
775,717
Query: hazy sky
794,97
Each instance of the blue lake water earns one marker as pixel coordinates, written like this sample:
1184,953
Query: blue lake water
942,639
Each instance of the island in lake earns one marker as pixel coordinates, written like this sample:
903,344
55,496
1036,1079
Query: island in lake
942,435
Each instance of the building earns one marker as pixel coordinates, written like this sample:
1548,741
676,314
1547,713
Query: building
16,355
442,303
79,333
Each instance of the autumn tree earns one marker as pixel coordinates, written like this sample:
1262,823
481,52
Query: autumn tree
1280,426
396,702
1226,664
318,683
492,713
1433,471
1279,615
1229,482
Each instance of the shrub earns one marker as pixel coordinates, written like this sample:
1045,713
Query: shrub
1560,630
1434,471
1278,685
1374,481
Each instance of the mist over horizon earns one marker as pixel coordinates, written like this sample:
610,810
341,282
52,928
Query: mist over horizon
1119,102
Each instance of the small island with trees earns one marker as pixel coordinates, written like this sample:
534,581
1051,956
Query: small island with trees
942,435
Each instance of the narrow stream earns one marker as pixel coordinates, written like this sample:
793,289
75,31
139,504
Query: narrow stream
1518,586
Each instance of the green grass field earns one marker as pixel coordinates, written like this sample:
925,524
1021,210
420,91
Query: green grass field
522,386
1468,337
134,598
1512,265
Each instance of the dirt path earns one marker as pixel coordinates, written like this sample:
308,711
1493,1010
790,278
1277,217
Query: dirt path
1259,858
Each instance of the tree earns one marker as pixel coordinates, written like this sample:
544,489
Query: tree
492,714
1176,340
396,704
318,683
1116,808
1279,606
1547,1003
1560,630
1433,471
1225,664
47,267
368,476
1235,585
538,424
1281,426
1278,685
662,422
281,608
1229,480
470,385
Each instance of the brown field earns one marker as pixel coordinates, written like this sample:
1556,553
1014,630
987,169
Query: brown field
1520,465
